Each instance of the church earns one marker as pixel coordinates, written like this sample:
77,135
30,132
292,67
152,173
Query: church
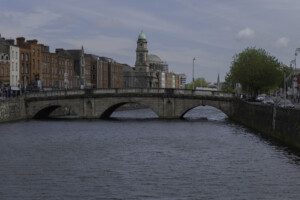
150,71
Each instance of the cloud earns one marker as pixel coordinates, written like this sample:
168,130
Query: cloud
246,34
22,22
282,42
105,45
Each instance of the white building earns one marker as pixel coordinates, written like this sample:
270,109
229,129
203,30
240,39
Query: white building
14,67
162,80
173,81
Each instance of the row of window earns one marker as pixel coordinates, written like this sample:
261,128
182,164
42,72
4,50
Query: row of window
25,57
14,66
14,55
4,57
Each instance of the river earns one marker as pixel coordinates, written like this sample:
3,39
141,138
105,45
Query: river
203,157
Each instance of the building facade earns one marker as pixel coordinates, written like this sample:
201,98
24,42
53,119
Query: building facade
29,65
4,70
35,62
106,73
4,63
149,71
14,68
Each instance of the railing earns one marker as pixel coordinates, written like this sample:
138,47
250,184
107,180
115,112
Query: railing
180,92
54,93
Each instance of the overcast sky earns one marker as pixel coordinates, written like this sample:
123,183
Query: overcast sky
177,30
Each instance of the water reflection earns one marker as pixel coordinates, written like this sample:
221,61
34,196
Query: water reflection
205,113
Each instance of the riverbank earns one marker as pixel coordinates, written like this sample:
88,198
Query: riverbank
281,124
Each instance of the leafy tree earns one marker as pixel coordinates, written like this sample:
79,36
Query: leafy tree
199,82
256,70
228,85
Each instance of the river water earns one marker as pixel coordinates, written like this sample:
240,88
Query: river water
204,157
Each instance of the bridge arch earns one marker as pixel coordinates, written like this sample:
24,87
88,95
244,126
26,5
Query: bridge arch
223,107
45,111
113,107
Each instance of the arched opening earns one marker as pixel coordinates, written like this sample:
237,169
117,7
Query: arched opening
54,111
45,112
129,110
204,113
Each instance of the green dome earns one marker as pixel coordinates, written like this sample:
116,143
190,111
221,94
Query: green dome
142,36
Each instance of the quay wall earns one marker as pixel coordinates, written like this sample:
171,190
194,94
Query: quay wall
12,110
273,122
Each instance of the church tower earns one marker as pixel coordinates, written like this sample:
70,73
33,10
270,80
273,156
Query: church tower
141,64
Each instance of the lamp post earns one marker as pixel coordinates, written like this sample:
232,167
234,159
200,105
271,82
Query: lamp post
194,73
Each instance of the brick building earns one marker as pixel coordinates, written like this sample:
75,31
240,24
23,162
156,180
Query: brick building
34,61
107,73
89,61
24,67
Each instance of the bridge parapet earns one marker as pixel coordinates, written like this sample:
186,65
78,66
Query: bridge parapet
54,93
150,91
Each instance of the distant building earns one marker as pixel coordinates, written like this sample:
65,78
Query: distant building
106,73
156,64
29,65
64,76
4,63
31,60
149,71
14,67
25,62
182,81
79,67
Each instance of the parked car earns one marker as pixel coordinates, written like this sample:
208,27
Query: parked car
261,97
285,103
268,101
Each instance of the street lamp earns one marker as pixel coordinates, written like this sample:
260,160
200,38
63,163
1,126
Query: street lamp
194,73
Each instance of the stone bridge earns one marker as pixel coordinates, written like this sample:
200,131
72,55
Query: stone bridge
101,103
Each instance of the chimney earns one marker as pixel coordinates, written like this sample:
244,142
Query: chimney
32,41
45,49
20,41
59,50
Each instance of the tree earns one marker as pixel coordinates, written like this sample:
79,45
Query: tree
256,70
199,82
228,85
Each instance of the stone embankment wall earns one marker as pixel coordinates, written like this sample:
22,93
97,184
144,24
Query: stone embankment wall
12,110
278,123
